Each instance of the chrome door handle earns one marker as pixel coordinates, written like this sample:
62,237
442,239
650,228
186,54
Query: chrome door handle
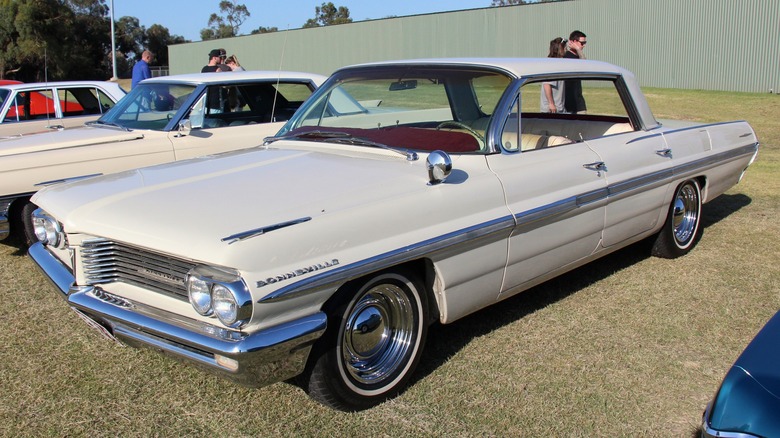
664,152
596,165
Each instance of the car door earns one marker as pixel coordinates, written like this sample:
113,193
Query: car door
637,164
558,200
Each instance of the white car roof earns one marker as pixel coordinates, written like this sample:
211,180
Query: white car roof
61,84
517,66
231,76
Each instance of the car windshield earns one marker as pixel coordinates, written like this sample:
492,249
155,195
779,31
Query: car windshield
402,107
148,106
3,95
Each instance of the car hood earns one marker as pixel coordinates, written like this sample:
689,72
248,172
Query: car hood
188,207
68,138
749,397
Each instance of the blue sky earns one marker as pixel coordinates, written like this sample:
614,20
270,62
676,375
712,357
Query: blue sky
188,17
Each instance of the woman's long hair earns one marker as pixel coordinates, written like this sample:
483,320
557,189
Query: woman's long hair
557,48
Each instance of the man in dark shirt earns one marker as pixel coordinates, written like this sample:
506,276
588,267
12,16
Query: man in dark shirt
216,57
573,100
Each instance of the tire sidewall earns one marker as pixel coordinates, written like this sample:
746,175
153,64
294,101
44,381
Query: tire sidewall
328,369
399,377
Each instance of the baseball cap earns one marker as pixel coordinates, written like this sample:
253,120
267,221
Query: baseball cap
217,53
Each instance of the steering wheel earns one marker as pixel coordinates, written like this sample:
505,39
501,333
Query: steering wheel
465,127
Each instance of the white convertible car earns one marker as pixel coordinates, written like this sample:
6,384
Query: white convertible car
400,194
162,119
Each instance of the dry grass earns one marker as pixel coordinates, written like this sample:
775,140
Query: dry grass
629,345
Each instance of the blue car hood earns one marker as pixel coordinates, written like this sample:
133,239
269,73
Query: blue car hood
748,400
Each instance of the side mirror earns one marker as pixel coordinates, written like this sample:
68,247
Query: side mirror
184,128
439,166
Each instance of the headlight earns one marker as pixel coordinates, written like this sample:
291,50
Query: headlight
219,293
199,291
47,229
225,306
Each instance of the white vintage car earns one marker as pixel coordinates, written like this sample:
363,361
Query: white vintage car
399,195
44,106
162,119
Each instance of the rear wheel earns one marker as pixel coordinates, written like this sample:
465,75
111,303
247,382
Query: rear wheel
375,336
683,223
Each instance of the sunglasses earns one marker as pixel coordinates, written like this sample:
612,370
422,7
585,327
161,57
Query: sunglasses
583,42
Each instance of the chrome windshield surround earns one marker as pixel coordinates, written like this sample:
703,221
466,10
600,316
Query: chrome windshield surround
260,231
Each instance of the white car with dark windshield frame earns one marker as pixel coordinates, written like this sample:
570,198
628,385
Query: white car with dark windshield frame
401,194
162,119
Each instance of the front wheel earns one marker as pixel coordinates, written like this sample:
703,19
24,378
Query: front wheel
375,336
683,223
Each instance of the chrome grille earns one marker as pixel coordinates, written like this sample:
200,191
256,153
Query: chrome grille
105,261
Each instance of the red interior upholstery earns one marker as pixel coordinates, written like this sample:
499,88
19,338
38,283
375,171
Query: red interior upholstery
425,139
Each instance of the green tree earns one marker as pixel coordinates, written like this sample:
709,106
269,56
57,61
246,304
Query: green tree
263,29
158,39
328,14
130,37
44,44
225,25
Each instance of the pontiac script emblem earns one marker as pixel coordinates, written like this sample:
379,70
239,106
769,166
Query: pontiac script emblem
297,273
161,276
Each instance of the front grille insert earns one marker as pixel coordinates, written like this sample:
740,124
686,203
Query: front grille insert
105,261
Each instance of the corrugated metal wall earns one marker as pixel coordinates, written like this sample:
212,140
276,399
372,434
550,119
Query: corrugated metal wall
731,45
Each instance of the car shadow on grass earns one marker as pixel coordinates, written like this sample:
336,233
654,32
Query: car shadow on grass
444,341
17,242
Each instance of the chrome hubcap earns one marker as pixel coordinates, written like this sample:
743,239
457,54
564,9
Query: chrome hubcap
685,214
378,334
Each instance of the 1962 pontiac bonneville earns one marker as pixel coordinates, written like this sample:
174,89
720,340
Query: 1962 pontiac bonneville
162,119
400,194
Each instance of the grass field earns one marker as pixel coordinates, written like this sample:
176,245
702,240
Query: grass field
627,346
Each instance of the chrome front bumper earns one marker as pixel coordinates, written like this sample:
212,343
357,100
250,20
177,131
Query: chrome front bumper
271,355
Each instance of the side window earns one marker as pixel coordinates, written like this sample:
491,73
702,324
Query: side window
77,102
105,102
584,109
488,91
38,104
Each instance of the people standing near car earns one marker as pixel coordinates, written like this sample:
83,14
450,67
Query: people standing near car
232,62
552,91
216,58
141,69
574,102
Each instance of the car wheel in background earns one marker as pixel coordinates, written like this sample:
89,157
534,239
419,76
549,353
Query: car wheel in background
683,223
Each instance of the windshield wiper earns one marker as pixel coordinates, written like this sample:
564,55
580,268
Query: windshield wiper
343,138
107,125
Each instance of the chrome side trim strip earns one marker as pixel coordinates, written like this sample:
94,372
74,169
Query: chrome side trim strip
343,273
660,177
644,137
688,128
487,229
